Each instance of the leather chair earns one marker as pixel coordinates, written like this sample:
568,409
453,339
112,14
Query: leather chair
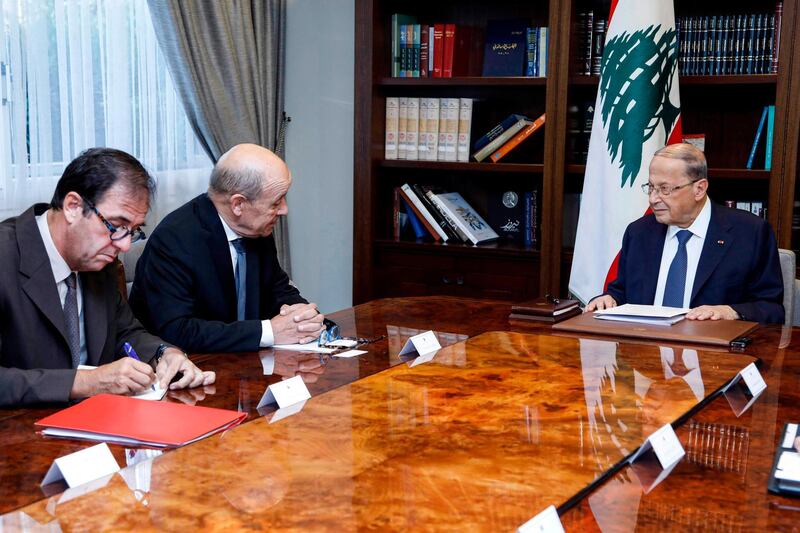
788,272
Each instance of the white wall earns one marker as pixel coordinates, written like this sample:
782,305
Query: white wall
319,148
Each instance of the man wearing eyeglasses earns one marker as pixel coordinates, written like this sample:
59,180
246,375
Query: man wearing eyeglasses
720,262
60,305
209,278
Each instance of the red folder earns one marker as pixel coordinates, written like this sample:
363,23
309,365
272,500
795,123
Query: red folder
108,417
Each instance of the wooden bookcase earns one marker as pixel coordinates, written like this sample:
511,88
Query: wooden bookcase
725,108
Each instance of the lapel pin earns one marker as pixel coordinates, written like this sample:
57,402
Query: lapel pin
720,242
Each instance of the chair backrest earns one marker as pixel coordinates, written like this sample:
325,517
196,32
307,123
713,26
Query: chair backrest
788,272
128,265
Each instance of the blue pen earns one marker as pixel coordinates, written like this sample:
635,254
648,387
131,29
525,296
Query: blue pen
130,352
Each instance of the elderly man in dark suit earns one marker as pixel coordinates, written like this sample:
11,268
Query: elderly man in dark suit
720,262
209,279
59,298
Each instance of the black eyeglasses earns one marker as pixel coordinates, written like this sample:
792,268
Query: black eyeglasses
117,232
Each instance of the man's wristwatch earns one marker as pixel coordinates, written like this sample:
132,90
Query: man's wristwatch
159,354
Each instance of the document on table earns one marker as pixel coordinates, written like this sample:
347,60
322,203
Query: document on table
644,314
154,392
312,346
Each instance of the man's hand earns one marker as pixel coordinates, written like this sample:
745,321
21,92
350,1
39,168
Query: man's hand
123,376
601,302
298,323
174,361
713,312
308,366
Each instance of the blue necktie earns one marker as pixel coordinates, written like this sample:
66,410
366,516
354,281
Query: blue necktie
241,278
676,277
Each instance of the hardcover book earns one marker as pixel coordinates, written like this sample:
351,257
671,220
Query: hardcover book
504,51
398,20
506,213
392,112
467,219
501,139
515,141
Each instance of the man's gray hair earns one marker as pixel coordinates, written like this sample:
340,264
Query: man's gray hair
248,182
694,160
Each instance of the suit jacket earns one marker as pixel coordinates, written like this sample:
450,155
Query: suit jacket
739,265
34,352
185,288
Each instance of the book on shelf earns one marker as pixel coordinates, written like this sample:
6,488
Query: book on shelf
531,225
412,128
754,207
420,231
503,135
444,230
770,134
432,127
467,219
506,214
422,130
598,43
392,113
505,46
536,48
415,49
402,123
438,49
450,107
464,129
585,31
751,157
698,140
515,141
418,208
424,43
398,20
431,193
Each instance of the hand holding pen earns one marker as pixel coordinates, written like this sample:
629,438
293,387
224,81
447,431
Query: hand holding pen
130,352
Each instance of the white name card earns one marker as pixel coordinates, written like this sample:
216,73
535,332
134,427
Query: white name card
664,442
545,522
752,378
82,466
285,393
424,344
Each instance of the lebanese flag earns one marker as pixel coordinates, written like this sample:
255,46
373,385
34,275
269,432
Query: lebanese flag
637,111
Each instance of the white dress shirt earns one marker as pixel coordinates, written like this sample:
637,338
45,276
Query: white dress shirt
267,337
694,247
61,272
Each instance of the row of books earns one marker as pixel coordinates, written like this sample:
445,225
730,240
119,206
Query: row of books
579,130
591,40
444,50
757,208
730,44
440,129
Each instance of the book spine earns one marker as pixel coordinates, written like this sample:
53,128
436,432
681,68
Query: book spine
449,46
530,52
464,129
451,137
422,213
528,211
432,142
430,51
753,148
438,49
776,37
402,122
403,31
542,50
534,218
487,150
770,133
512,143
496,131
442,137
416,225
586,54
751,40
423,50
422,132
412,129
445,233
457,220
598,41
396,213
437,203
416,41
392,113
395,46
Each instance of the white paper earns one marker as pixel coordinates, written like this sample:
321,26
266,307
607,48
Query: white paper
424,343
753,380
788,467
644,311
350,353
788,438
342,343
545,522
82,466
282,413
72,434
285,393
667,446
308,347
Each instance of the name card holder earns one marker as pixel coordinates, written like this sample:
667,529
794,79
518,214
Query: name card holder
82,466
290,395
744,389
422,348
656,458
545,522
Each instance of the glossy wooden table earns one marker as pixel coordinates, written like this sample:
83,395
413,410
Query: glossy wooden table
484,435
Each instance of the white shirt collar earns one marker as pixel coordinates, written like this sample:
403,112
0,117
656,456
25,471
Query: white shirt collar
59,266
700,225
229,233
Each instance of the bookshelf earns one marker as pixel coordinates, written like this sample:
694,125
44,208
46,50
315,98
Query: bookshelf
725,108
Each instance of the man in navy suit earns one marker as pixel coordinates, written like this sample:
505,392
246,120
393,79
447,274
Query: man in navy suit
209,275
720,262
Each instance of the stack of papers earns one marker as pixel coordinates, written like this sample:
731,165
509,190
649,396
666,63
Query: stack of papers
644,314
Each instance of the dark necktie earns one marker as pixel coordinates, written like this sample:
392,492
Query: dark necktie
676,277
71,319
241,278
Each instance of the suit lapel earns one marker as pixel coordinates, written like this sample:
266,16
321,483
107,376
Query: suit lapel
652,261
34,266
95,316
220,251
718,240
